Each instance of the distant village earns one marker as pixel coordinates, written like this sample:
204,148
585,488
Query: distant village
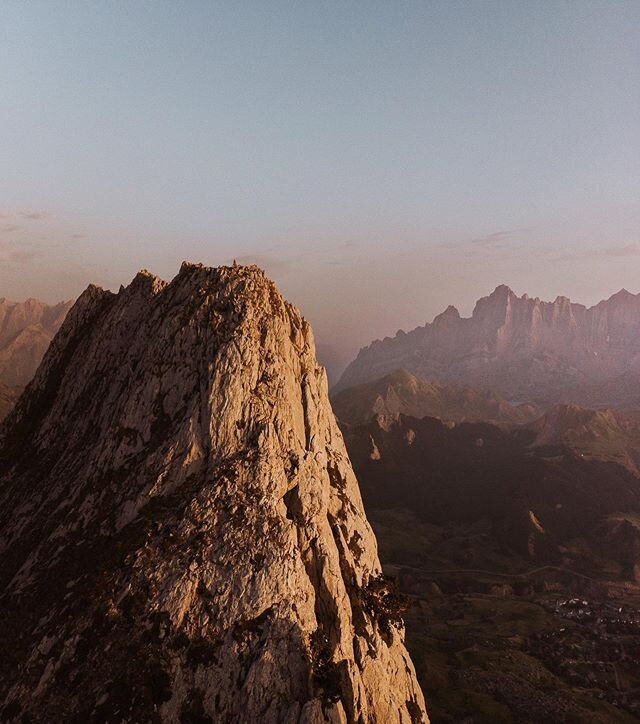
598,649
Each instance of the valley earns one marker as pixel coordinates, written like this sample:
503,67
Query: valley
518,548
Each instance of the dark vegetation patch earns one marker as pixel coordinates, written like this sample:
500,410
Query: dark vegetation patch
202,651
243,631
326,673
161,425
415,712
382,600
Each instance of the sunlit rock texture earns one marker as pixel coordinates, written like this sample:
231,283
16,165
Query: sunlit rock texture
182,537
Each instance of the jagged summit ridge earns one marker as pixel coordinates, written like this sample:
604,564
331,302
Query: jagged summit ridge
524,348
181,534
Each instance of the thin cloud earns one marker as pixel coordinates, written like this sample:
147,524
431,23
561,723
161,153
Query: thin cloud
27,214
611,252
10,254
9,228
489,242
497,239
35,215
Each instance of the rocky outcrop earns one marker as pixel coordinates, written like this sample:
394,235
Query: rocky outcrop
404,393
182,537
26,329
523,348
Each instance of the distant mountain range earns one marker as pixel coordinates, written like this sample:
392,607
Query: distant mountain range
26,329
524,349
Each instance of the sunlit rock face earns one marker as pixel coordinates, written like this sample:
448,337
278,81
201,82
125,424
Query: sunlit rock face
525,349
26,329
182,537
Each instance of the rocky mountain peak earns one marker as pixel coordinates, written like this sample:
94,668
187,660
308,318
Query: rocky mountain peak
502,291
181,534
495,308
450,313
622,295
623,300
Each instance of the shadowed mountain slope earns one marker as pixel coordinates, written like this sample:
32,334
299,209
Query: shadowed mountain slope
602,434
547,504
8,397
522,562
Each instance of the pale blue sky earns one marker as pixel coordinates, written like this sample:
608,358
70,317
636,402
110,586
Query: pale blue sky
381,159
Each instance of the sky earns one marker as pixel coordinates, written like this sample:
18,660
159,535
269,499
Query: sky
381,159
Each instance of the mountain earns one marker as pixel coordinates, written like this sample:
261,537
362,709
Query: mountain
8,397
602,434
523,348
404,393
181,533
26,329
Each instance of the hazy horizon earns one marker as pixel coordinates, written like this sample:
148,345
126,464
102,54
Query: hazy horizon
380,161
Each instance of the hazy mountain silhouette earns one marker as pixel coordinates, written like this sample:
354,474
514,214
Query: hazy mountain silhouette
404,393
26,329
523,348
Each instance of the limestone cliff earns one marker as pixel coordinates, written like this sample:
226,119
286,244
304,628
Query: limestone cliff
525,349
182,537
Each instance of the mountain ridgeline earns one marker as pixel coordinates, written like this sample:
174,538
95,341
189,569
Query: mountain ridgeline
522,348
182,537
603,434
404,393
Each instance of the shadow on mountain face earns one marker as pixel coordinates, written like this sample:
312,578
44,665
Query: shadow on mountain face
521,566
472,472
